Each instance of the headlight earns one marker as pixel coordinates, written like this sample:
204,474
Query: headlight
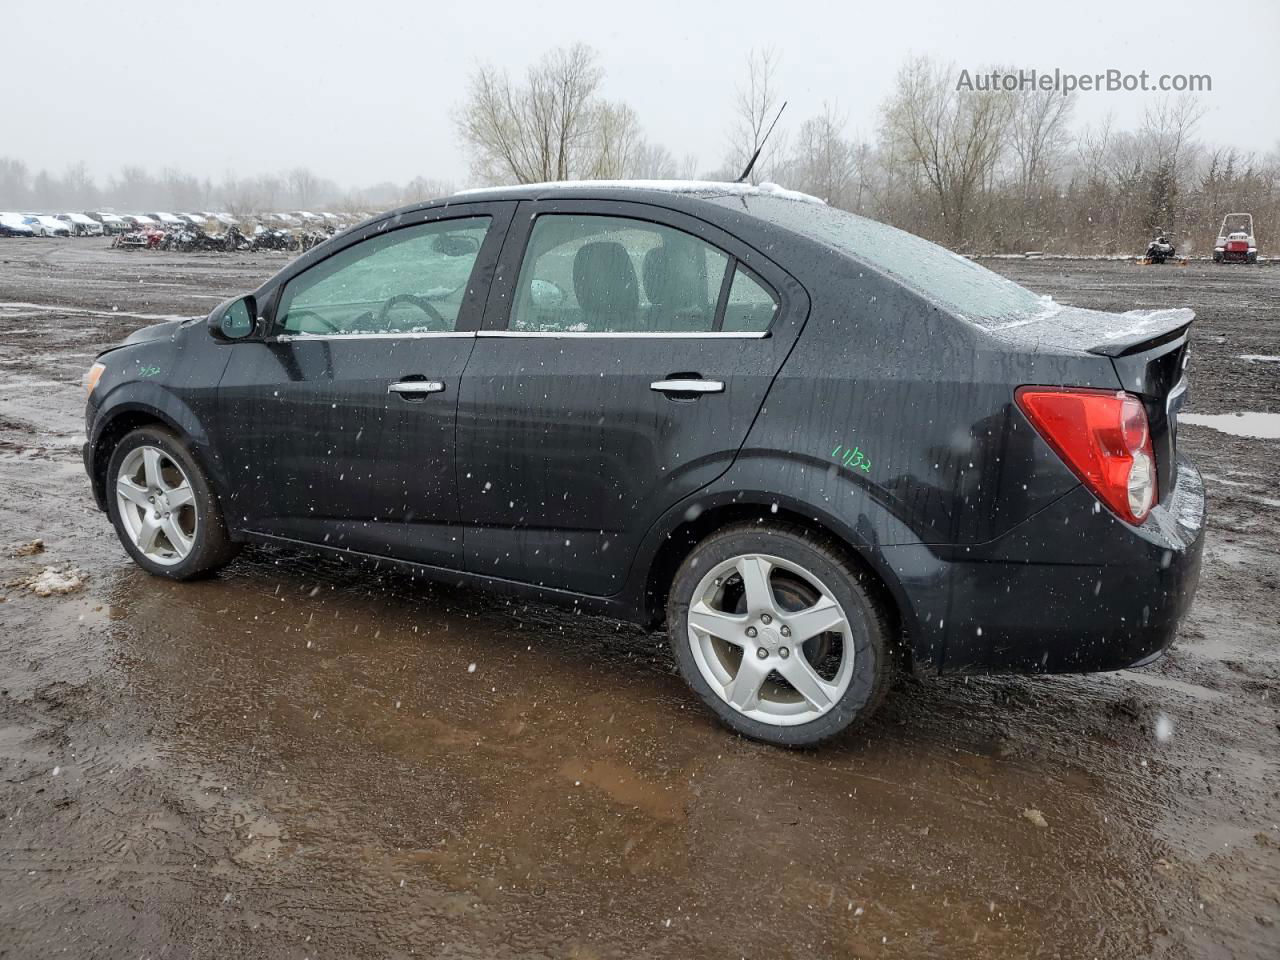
93,376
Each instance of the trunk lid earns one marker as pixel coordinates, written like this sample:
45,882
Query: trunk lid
1147,348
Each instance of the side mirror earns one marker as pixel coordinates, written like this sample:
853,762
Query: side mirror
455,245
545,294
233,319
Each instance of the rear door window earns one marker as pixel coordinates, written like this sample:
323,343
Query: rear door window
750,307
955,282
405,281
598,274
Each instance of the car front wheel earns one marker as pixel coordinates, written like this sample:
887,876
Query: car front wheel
163,509
777,632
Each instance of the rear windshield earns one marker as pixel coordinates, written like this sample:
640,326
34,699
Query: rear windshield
962,286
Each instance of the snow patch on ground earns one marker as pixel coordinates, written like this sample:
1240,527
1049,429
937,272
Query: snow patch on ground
51,581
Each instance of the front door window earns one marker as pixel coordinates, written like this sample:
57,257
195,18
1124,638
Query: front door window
405,281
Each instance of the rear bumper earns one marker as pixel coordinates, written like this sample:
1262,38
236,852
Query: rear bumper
1071,590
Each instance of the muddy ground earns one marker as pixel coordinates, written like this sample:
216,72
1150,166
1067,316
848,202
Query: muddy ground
296,759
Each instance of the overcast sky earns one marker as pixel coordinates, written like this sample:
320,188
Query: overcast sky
362,90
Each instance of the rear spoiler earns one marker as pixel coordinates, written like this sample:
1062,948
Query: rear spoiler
1099,332
1151,328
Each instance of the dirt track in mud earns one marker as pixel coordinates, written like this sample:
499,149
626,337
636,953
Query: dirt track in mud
296,759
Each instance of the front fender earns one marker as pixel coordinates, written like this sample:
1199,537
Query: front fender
183,409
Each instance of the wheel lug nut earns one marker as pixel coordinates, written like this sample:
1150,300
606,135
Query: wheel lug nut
786,631
783,652
762,653
751,632
766,619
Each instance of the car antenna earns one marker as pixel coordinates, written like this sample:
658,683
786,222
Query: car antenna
756,156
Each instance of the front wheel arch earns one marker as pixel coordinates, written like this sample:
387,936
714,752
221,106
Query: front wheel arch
120,424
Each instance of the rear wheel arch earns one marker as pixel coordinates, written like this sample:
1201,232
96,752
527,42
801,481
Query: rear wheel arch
697,525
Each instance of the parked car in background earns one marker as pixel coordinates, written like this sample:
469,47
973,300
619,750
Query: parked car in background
818,449
140,221
47,226
111,224
15,225
167,219
195,219
81,224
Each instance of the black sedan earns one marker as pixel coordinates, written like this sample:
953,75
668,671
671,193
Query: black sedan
818,449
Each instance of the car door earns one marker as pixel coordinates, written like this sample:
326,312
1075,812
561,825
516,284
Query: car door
625,351
338,426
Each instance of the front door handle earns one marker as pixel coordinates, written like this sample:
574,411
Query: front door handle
411,389
695,385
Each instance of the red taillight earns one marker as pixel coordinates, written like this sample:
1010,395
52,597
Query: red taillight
1103,436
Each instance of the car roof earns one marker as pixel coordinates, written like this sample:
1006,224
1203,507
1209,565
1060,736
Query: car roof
653,191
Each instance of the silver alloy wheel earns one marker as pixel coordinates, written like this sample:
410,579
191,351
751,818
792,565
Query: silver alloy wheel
770,639
157,505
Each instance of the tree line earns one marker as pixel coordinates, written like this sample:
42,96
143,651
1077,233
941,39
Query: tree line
980,171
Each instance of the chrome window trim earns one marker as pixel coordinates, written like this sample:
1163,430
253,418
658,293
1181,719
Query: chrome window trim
629,334
292,337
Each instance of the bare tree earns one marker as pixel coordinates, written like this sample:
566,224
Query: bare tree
424,188
1167,129
823,162
1038,134
755,106
14,183
303,186
535,131
953,138
615,142
653,161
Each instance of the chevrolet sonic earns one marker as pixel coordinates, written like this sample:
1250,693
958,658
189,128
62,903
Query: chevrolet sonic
819,449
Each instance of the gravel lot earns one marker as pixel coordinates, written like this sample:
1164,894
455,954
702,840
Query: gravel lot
296,759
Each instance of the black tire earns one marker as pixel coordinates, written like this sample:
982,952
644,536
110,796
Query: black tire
870,626
212,547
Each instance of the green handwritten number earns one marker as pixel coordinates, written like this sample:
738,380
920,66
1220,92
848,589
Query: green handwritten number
853,458
148,371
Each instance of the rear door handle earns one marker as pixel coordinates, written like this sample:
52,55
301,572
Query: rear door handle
688,386
416,388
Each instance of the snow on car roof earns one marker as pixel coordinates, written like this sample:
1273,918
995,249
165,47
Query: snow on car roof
717,188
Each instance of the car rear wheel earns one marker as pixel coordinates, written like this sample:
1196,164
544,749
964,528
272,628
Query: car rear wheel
163,510
778,633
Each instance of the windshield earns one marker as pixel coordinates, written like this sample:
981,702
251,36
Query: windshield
952,281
